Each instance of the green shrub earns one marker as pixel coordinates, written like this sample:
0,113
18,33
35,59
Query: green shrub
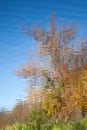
81,125
56,127
17,126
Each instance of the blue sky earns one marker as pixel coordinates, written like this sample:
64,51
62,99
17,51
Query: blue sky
14,43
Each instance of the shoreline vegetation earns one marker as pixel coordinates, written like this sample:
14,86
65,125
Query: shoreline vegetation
80,125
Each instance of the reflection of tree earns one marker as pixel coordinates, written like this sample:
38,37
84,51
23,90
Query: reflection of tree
20,112
62,77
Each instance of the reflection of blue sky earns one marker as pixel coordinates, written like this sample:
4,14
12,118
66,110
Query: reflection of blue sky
14,44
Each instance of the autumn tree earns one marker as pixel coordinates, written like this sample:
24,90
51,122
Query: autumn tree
64,72
20,112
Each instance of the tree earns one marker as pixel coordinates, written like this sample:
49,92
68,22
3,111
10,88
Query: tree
21,112
64,74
